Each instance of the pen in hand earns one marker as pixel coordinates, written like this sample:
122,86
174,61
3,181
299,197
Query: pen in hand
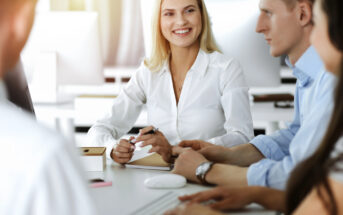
152,131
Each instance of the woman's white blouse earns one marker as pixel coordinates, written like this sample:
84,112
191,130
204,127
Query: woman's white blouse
213,105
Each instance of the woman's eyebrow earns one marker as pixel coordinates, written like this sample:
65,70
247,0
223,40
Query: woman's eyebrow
191,5
167,10
171,9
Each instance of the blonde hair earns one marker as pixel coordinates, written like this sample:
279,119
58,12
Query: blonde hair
160,46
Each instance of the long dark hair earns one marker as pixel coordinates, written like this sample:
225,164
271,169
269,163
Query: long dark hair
313,172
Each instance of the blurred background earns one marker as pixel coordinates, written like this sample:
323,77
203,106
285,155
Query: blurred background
120,27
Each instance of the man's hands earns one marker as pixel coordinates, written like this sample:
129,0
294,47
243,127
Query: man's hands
226,198
195,144
242,155
187,162
218,154
123,152
192,209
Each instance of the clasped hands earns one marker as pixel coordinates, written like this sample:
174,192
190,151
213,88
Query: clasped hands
191,153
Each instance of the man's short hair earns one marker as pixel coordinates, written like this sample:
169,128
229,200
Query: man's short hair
290,3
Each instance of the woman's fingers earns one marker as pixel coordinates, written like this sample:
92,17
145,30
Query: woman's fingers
145,130
123,155
144,137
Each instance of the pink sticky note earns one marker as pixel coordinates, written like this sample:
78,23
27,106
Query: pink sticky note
101,184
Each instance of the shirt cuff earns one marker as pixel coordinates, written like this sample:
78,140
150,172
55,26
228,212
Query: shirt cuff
109,146
258,173
267,147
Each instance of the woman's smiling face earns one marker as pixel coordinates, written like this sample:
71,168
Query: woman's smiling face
181,22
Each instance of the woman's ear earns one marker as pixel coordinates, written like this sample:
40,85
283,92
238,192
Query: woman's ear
304,13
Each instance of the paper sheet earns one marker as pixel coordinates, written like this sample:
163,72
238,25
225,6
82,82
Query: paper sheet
140,153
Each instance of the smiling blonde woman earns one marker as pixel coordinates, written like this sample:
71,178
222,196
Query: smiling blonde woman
161,48
190,90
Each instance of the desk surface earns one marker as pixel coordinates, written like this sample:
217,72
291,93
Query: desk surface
128,192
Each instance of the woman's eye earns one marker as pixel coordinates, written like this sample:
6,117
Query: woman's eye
190,10
168,14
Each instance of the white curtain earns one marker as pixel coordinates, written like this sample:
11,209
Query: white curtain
110,12
131,43
120,28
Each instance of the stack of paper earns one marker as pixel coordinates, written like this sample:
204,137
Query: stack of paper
144,160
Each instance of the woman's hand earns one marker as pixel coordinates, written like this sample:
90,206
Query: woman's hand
194,144
123,152
191,209
158,142
226,198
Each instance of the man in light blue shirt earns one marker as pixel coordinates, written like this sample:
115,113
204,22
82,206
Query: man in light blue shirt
268,160
286,148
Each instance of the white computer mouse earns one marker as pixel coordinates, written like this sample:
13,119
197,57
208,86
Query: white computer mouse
165,181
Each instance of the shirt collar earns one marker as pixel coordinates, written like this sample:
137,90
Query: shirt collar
200,65
307,67
3,93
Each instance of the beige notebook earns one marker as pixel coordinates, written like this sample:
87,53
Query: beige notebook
152,161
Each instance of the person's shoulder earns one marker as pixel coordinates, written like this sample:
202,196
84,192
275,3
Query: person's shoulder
219,59
221,62
326,83
325,76
144,72
23,131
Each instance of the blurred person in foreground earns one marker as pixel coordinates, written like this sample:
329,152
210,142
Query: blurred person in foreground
40,173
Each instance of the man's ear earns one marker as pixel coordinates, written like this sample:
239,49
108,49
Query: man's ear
304,13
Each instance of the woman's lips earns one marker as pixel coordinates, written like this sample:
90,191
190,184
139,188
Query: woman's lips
182,32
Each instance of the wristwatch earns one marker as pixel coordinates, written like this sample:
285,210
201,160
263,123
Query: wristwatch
202,170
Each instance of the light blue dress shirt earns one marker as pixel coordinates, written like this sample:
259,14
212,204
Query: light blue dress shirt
313,103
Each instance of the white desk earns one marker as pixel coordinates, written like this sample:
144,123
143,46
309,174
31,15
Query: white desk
128,192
